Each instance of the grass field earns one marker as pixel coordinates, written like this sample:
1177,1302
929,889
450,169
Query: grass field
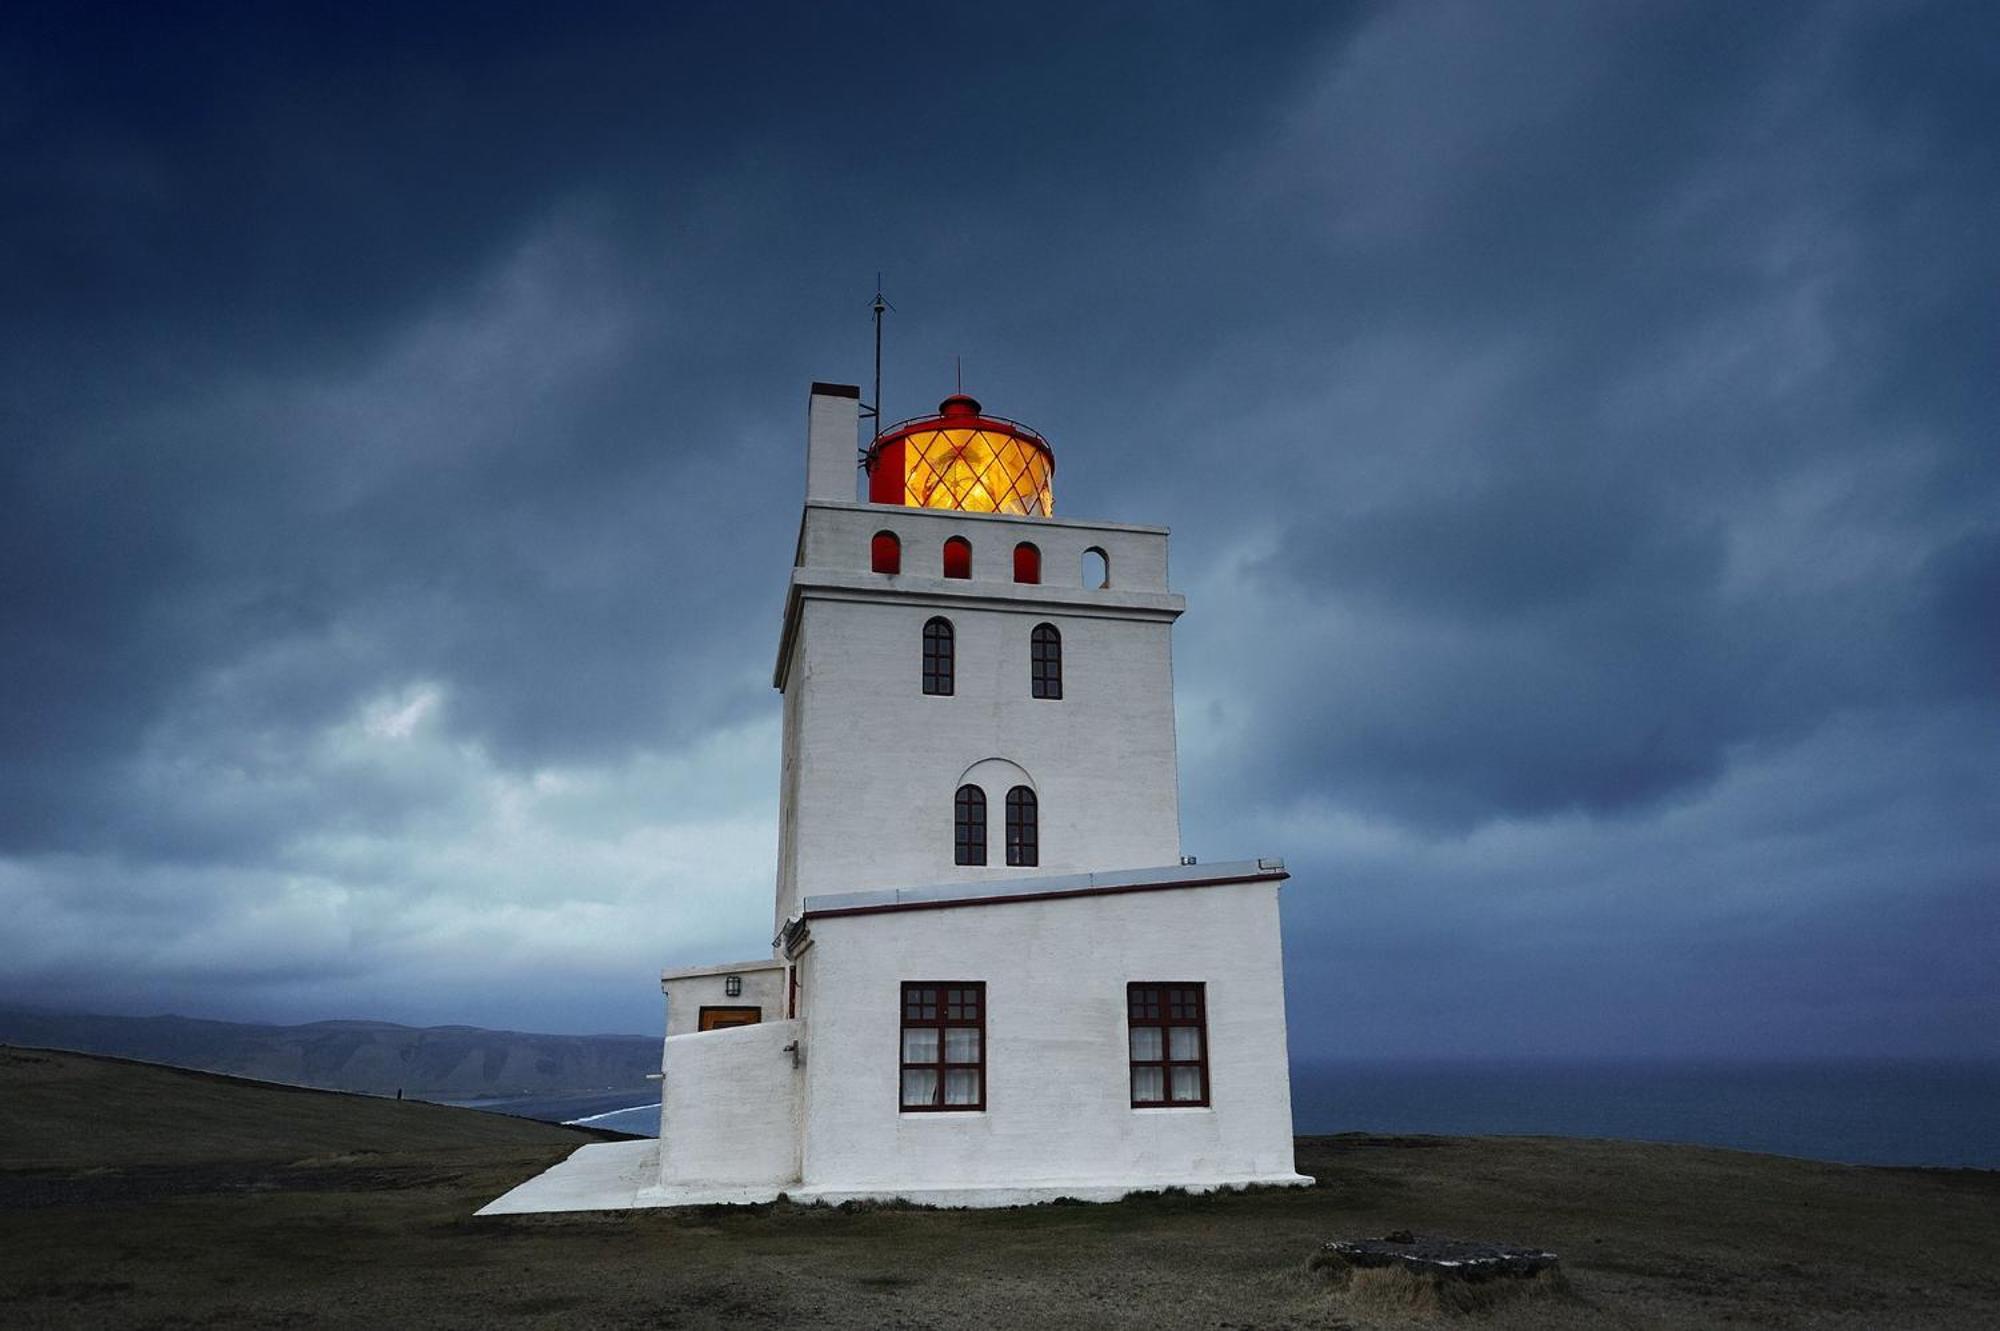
133,1195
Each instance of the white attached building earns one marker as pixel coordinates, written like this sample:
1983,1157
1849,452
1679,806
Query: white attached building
994,977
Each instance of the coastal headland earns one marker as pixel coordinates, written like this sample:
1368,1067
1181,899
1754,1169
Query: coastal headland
138,1195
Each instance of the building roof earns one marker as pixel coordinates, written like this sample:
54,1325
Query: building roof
729,968
1007,890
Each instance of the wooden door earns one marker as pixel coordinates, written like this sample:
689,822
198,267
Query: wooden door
715,1018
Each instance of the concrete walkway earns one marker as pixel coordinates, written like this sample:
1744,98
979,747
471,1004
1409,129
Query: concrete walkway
624,1176
605,1176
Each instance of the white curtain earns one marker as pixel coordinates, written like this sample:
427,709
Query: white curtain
961,1086
919,1086
1149,1084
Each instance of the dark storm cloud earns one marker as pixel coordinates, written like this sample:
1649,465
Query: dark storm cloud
222,222
1574,421
1706,275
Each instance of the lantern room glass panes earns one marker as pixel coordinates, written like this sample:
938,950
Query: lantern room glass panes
977,471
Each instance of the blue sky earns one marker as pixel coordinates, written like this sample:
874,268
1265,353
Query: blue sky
1575,421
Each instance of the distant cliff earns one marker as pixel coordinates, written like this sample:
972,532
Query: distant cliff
371,1056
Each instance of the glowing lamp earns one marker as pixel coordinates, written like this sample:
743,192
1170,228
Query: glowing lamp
963,460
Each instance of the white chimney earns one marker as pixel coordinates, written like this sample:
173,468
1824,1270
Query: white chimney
833,442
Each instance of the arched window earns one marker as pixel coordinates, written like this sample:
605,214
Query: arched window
968,830
1045,662
958,558
1096,568
938,657
1027,563
1023,836
885,553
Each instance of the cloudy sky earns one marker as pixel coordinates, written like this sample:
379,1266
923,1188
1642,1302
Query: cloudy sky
1577,425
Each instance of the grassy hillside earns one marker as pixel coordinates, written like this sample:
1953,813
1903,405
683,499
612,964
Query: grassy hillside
375,1057
69,1112
139,1196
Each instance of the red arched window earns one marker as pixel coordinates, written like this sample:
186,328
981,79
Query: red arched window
885,553
1027,563
958,558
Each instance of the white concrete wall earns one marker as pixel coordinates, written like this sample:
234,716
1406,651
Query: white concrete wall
1057,1065
763,987
729,1107
837,536
872,762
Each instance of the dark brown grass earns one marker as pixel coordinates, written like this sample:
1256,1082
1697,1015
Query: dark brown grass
149,1197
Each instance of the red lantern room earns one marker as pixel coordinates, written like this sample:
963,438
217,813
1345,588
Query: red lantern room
964,460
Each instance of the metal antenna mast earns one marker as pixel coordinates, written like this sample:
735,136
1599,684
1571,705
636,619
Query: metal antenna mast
878,306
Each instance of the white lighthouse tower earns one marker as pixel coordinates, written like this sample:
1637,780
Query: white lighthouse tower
995,978
943,646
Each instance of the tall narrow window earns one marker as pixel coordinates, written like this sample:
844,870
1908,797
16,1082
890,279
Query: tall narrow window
1027,562
958,558
885,553
1023,836
938,657
1045,662
968,819
1169,1025
944,1045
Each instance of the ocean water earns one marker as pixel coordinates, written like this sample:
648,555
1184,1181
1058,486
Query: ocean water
621,1111
1874,1112
1857,1112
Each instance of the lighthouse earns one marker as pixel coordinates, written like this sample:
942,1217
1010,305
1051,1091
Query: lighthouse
995,977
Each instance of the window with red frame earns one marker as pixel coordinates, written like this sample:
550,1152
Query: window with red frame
958,558
885,553
944,1045
1169,1025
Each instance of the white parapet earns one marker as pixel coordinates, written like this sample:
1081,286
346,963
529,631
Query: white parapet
729,1107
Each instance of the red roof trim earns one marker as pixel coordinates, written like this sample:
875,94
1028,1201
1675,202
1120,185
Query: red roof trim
950,903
